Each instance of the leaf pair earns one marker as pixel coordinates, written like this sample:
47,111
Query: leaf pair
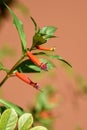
9,118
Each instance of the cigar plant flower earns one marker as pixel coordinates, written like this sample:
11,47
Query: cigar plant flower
36,61
26,79
45,49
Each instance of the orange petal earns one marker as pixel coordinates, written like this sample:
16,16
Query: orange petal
36,61
45,49
26,79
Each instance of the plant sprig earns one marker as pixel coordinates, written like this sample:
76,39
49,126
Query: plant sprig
33,64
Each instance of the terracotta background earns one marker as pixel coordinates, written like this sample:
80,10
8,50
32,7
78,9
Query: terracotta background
70,16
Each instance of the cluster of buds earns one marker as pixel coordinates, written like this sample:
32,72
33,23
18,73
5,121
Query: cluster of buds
37,62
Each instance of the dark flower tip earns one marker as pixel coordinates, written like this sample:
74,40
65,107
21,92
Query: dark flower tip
43,66
35,85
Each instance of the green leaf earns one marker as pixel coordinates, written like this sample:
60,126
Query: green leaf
42,100
49,36
35,24
48,31
19,26
38,128
47,122
53,57
25,121
28,66
59,58
3,68
8,120
8,104
35,68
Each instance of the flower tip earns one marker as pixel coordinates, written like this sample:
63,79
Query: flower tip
36,85
52,49
44,66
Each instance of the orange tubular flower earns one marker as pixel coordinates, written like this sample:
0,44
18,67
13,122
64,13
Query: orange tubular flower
26,79
36,61
45,49
44,114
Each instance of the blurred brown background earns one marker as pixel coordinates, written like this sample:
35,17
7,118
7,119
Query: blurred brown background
71,19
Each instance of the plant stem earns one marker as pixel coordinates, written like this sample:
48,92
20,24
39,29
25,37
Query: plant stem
3,81
12,69
17,63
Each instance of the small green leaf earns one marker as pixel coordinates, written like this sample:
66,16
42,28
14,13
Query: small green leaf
25,121
42,102
38,128
59,58
49,36
35,68
8,104
35,24
28,66
3,68
19,26
48,31
8,120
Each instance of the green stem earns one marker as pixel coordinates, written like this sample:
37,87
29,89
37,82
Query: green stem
17,63
12,69
3,81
